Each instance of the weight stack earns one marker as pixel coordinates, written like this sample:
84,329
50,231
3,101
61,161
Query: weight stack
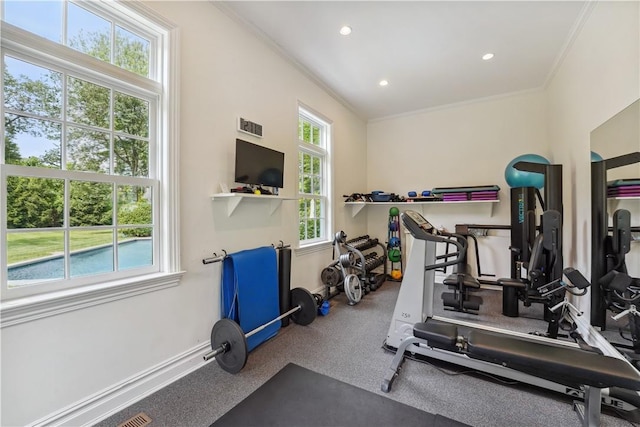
284,282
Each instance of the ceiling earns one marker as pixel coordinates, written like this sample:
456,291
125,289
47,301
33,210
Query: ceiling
430,52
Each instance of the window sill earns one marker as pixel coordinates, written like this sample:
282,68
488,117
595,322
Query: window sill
314,247
23,310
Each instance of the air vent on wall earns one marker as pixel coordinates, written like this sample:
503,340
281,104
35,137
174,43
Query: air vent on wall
139,420
249,127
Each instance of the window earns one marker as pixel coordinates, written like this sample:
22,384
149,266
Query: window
87,171
314,173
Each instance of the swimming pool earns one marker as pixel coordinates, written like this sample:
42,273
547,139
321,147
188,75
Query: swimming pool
131,254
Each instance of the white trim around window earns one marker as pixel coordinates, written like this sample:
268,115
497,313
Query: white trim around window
24,309
323,151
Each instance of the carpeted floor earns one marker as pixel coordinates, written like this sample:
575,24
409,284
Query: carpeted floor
347,345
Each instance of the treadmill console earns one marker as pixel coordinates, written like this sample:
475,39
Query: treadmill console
418,226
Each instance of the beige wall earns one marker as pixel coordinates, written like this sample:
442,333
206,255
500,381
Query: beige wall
598,77
471,144
61,361
460,145
226,72
618,136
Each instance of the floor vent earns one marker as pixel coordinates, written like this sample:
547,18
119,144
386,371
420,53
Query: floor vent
139,420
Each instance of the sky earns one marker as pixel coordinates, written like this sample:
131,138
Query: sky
45,18
37,17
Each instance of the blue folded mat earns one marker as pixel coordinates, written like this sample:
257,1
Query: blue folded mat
623,182
250,292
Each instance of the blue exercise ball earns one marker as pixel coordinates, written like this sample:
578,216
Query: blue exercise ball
595,157
518,178
394,242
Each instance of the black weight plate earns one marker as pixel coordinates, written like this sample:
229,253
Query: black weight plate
234,359
308,307
330,276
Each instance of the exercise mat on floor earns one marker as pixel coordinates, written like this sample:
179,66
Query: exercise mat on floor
296,396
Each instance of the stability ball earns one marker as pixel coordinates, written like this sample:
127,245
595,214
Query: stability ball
518,178
595,157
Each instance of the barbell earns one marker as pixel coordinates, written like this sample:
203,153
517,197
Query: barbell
229,342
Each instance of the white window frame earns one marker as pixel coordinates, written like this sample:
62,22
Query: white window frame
324,152
33,302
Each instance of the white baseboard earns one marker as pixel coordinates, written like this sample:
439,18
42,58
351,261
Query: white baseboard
103,404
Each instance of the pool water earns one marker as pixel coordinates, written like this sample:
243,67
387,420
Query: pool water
131,254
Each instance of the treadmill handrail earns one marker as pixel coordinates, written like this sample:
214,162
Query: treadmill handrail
460,254
436,236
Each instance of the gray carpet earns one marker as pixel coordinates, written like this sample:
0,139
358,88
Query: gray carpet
346,345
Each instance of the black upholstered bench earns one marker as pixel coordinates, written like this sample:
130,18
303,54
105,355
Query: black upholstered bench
558,363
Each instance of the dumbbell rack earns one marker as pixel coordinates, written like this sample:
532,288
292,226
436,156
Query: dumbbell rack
355,257
394,245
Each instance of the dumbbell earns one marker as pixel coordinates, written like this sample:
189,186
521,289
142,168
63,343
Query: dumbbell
229,342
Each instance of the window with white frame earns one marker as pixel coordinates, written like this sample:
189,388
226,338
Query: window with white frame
314,173
87,171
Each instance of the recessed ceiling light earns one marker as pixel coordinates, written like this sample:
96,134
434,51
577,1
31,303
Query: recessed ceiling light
383,83
346,30
487,56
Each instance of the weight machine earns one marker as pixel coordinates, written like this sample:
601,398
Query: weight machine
523,286
616,290
591,369
600,231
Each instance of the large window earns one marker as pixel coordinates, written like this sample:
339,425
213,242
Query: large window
86,146
314,174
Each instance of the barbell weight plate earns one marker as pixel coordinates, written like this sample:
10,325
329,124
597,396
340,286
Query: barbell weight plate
330,276
308,307
353,288
234,359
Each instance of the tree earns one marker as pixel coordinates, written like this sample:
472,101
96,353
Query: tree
34,202
90,105
90,204
11,150
139,213
41,97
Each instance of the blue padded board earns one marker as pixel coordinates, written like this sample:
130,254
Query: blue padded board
250,292
623,182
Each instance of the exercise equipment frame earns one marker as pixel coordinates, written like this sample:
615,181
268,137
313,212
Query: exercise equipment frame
415,305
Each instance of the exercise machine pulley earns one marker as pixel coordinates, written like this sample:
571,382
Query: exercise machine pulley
229,342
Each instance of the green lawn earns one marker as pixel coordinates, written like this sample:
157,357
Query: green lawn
27,246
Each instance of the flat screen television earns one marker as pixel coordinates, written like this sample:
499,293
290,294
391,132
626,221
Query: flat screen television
258,165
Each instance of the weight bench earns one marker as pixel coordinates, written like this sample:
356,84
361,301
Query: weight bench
462,285
569,366
461,299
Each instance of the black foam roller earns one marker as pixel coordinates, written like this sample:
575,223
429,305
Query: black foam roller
284,282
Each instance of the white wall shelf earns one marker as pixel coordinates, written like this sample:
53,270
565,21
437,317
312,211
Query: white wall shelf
622,202
356,207
234,199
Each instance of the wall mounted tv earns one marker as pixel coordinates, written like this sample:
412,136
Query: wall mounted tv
258,165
